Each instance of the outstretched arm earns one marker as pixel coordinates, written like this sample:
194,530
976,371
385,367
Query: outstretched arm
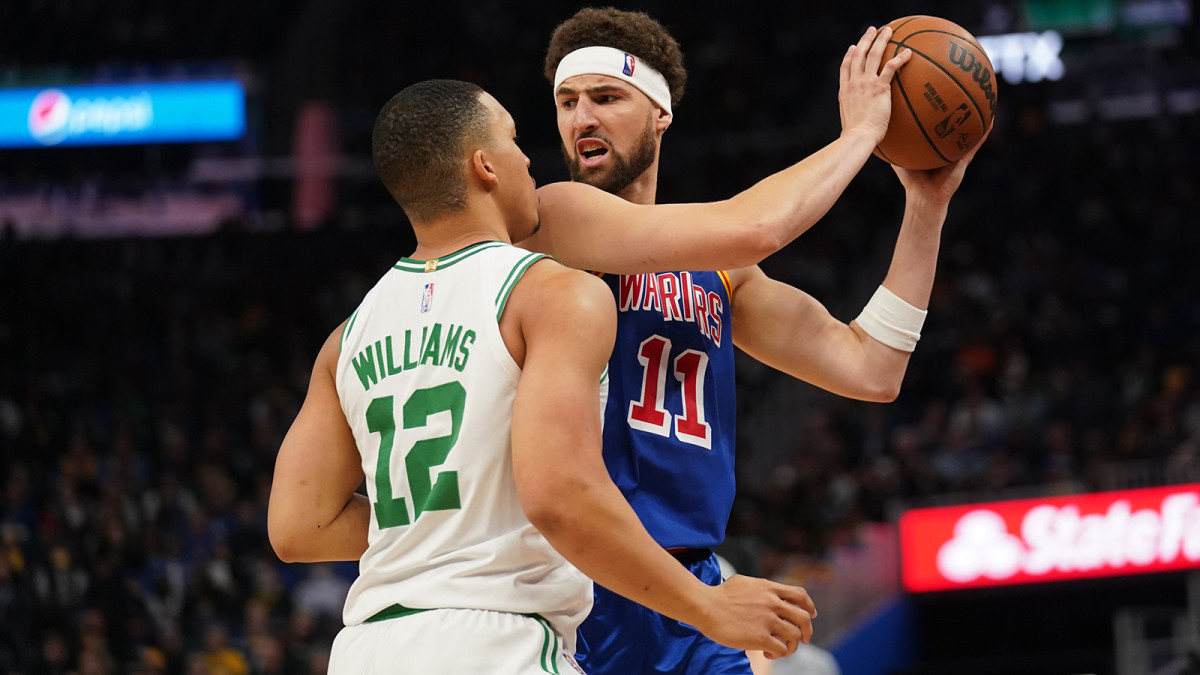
789,330
314,512
568,321
590,229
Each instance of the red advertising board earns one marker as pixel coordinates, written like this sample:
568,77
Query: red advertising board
1057,538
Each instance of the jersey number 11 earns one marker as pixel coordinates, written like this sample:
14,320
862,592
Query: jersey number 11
648,414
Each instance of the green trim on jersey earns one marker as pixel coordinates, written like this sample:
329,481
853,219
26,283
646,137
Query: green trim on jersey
604,375
550,648
346,329
514,276
393,612
422,266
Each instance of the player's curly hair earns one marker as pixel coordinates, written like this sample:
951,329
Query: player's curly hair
632,32
420,140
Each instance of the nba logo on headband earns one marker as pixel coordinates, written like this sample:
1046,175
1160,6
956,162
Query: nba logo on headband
598,60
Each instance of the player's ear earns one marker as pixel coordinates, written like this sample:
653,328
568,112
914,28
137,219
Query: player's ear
663,120
482,169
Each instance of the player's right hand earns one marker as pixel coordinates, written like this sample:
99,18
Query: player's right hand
757,614
865,89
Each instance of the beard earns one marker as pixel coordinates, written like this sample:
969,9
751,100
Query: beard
620,170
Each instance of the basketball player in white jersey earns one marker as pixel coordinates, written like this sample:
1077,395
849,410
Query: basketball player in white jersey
466,391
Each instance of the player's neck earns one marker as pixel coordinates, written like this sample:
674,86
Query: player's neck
456,231
644,188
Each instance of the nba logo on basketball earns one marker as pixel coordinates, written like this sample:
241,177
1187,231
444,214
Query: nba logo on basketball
629,64
427,298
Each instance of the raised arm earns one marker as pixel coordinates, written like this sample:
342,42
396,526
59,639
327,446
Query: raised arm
314,512
568,321
789,330
589,229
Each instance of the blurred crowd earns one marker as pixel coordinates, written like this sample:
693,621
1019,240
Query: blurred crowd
146,383
146,388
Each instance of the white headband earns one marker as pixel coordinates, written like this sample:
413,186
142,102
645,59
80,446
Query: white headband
618,64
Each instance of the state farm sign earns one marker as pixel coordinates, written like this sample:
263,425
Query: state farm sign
1033,540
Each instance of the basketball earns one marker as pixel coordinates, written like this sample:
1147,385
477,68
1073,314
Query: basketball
943,99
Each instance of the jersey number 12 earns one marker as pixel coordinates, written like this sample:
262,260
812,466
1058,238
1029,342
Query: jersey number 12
441,494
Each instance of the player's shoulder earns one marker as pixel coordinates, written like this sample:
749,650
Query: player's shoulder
560,299
551,283
735,278
327,357
564,190
565,202
557,303
557,204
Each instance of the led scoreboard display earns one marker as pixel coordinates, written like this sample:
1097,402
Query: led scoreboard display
122,114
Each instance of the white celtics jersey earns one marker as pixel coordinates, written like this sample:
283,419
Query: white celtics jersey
427,386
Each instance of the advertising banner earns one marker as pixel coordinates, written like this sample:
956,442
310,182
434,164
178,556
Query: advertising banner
1057,538
122,114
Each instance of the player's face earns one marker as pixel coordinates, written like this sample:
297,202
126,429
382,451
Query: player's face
607,130
518,197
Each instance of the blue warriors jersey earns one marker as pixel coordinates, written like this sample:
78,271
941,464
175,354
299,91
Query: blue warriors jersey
669,422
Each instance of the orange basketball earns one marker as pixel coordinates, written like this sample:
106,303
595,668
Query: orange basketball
943,99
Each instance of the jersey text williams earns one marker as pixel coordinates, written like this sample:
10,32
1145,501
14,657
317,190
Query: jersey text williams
438,346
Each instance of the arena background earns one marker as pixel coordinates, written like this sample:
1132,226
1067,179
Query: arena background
161,304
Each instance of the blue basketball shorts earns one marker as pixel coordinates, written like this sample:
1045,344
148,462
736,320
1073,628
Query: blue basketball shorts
621,637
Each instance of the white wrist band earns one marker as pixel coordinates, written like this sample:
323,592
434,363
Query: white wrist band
892,321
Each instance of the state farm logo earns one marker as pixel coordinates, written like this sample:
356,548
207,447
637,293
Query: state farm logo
981,546
1061,540
48,116
54,116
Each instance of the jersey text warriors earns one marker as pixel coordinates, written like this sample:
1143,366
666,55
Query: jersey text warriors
669,421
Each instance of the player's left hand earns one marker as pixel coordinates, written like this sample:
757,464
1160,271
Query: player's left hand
759,614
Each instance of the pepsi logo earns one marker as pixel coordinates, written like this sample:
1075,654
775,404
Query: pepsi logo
49,115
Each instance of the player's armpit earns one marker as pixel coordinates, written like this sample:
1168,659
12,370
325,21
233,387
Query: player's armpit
314,512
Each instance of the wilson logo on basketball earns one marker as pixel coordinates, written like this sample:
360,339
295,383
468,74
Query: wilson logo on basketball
963,58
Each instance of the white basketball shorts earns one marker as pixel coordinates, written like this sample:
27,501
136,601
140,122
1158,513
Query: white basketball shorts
451,642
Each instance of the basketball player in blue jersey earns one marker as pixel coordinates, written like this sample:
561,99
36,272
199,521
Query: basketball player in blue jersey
669,421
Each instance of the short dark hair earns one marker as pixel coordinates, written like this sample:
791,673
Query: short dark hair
420,141
632,32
